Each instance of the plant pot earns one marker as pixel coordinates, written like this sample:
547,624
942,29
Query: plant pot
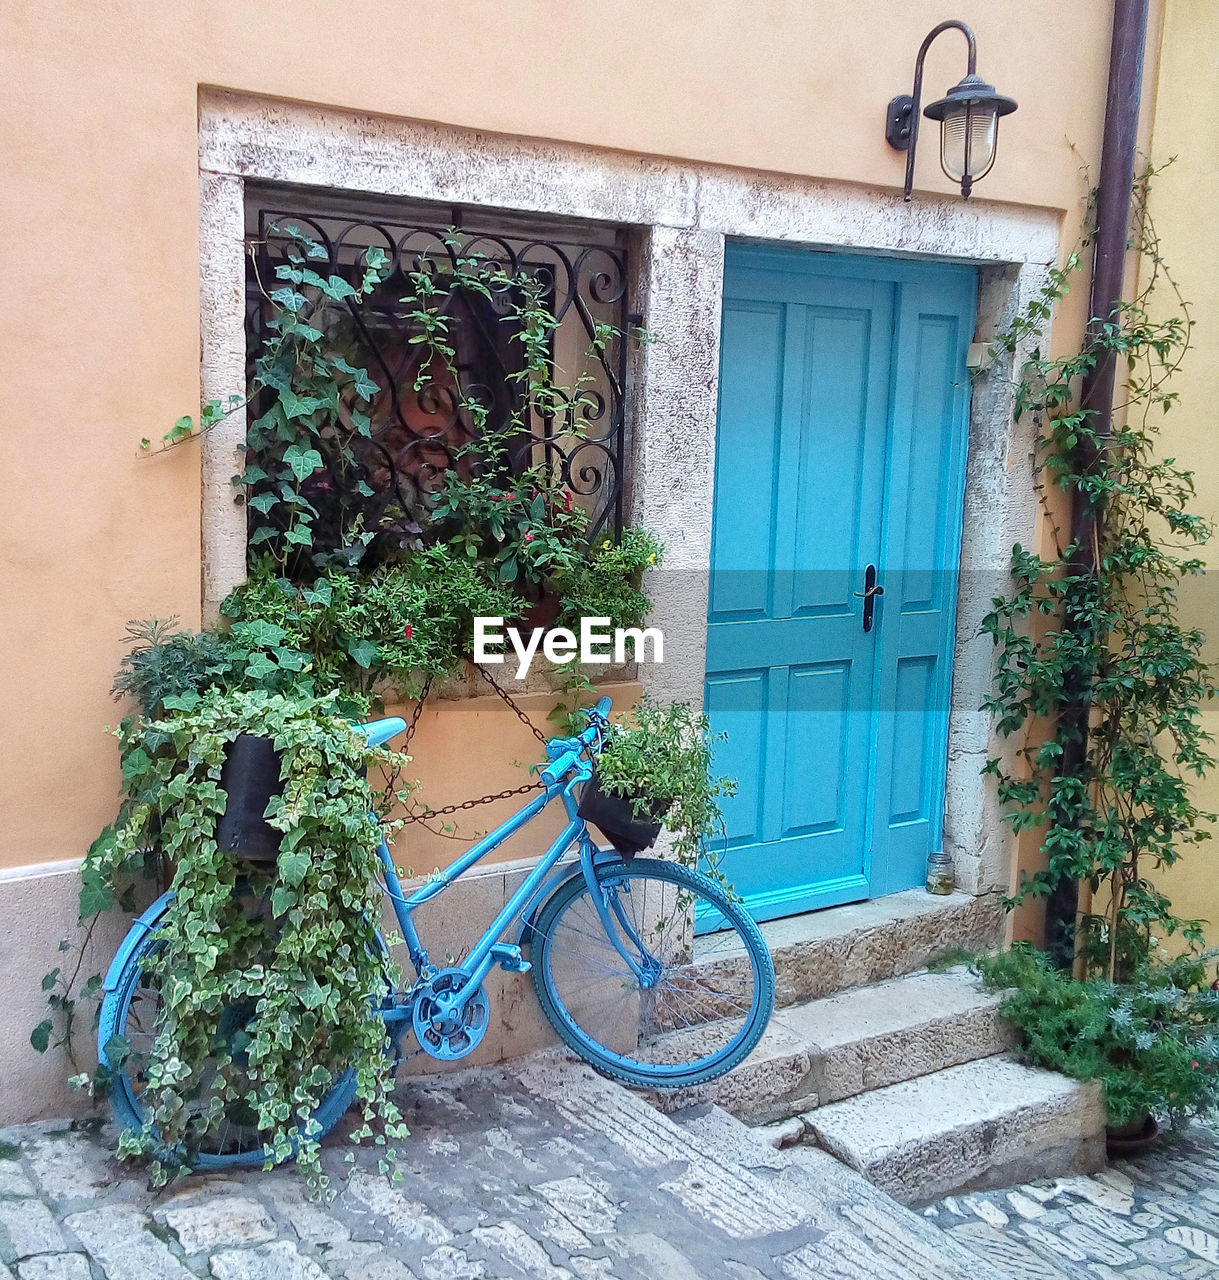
1133,1138
541,611
614,817
250,777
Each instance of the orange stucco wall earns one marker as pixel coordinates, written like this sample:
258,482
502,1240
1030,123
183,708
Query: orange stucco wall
1186,121
99,210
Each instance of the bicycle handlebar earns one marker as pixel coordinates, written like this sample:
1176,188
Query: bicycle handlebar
562,765
559,768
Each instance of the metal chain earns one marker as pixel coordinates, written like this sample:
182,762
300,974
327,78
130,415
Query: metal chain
473,804
414,721
536,785
503,693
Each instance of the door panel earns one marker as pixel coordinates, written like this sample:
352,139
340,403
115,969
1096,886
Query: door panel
841,438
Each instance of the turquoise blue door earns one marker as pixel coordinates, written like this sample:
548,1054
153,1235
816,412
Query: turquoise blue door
840,464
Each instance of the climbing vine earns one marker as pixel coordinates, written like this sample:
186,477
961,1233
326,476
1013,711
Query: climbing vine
1099,627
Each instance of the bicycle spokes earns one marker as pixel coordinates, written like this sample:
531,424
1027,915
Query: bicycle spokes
648,988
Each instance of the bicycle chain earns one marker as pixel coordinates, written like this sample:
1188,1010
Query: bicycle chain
499,795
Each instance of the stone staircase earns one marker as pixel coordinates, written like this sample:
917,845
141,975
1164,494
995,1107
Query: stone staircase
897,1071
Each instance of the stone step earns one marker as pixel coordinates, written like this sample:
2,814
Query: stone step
823,952
825,1050
989,1123
898,1243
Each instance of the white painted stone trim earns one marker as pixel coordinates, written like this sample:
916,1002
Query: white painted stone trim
684,213
40,870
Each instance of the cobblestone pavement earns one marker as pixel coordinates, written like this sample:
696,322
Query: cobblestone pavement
1140,1219
547,1172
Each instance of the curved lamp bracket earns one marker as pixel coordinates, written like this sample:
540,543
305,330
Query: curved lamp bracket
902,117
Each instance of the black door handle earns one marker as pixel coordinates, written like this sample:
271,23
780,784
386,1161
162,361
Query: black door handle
868,595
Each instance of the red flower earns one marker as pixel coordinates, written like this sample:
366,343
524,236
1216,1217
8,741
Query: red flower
1194,1065
528,537
495,497
408,631
566,499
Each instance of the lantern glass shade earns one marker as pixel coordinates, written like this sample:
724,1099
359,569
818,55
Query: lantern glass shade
968,134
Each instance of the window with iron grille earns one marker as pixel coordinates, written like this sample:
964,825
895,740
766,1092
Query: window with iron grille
419,428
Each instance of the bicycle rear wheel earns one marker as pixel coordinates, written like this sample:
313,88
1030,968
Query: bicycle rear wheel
654,1004
131,1012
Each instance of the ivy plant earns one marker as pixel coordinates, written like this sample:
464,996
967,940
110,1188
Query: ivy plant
298,944
401,623
1103,631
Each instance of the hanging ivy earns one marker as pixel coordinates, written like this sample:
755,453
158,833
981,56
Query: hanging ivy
295,946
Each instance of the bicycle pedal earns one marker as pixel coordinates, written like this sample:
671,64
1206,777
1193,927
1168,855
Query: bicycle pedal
509,959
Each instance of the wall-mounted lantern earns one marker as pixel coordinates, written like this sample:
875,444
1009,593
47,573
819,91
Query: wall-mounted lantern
968,114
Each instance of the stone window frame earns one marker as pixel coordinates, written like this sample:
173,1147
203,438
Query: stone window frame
681,215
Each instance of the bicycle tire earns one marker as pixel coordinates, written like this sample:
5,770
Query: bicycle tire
124,1101
735,956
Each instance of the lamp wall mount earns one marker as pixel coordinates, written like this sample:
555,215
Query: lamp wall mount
973,97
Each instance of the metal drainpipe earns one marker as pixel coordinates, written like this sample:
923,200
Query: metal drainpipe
1113,198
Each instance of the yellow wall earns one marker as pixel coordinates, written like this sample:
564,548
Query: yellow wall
1184,200
99,211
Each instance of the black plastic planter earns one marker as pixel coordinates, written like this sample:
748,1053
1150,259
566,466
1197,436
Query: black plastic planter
614,817
250,777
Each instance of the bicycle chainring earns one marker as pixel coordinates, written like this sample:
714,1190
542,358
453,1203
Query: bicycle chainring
445,1032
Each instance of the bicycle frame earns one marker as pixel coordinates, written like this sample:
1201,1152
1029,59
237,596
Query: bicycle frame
568,769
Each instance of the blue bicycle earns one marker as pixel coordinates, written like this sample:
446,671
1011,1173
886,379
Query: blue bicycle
647,969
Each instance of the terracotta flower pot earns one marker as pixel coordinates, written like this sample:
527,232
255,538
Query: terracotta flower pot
1130,1139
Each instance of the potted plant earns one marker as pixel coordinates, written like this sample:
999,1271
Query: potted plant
1152,1041
654,771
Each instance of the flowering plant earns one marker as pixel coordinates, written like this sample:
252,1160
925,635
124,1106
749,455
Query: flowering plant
1152,1041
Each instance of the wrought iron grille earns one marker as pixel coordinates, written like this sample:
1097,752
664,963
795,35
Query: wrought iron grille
417,435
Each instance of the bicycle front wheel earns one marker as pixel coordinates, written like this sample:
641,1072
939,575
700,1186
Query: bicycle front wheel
648,1000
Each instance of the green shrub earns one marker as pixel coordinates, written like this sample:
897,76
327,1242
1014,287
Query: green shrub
605,583
1152,1042
401,623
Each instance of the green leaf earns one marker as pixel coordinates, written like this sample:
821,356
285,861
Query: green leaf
260,633
293,867
302,461
260,666
295,406
187,701
362,652
136,763
50,979
283,899
40,1037
95,894
364,386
